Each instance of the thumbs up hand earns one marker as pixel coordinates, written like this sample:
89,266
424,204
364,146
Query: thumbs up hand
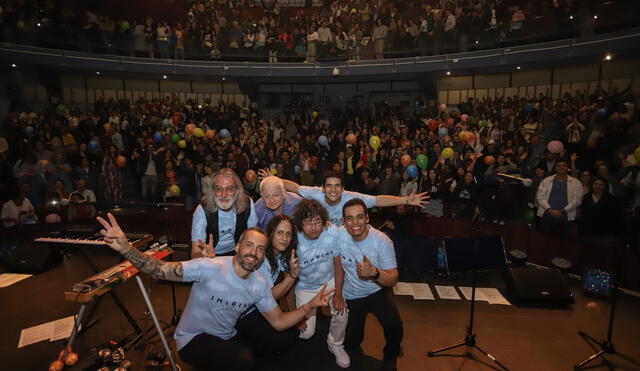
365,269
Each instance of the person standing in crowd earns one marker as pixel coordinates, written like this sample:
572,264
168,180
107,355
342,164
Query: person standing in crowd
318,254
225,212
558,198
370,269
274,200
111,176
224,288
148,166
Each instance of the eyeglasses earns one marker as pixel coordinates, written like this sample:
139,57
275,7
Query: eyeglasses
312,223
229,189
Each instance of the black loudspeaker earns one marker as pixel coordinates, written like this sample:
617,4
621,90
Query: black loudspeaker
30,258
537,287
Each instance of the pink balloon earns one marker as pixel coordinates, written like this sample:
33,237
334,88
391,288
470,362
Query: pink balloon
52,218
464,117
555,146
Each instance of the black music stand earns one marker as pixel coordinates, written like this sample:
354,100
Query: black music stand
464,254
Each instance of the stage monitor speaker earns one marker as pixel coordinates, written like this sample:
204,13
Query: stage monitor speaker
537,287
31,258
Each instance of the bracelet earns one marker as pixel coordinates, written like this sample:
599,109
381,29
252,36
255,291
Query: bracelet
292,276
406,201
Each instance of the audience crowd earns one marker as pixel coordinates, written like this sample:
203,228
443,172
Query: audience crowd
275,30
57,163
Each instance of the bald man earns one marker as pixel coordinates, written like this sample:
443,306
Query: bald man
274,200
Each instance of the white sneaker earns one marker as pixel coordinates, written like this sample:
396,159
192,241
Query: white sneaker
342,358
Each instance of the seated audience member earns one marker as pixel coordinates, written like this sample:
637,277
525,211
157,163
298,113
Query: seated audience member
19,209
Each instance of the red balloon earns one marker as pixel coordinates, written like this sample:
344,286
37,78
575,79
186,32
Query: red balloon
314,161
121,161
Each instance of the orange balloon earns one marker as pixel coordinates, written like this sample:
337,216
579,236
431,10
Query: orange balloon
210,134
351,138
489,160
405,160
107,127
250,175
121,161
188,130
469,137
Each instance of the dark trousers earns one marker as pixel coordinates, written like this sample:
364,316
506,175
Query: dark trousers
381,306
264,340
208,352
560,227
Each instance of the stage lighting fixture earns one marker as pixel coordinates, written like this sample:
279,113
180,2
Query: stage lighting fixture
518,68
164,77
448,73
595,16
97,72
608,57
570,17
14,65
336,71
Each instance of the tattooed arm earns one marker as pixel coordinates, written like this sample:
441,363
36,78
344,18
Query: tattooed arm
117,240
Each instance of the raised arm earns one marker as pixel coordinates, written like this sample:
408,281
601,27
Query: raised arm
288,185
116,239
281,321
414,199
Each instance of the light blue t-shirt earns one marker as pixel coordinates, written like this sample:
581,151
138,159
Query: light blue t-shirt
265,270
289,205
218,298
335,211
377,247
315,259
226,226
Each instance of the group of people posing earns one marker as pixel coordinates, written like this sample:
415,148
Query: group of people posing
246,256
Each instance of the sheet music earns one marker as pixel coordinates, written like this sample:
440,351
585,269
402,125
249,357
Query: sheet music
466,291
403,288
35,334
447,292
493,296
62,328
422,291
8,279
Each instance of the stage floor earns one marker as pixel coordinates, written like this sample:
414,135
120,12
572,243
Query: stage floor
520,338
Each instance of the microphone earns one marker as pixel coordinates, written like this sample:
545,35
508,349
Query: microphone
525,181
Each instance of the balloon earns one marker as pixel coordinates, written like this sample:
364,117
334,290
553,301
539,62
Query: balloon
412,170
314,161
210,134
175,138
462,135
56,365
470,137
323,141
464,117
447,153
71,359
489,160
483,123
422,161
274,171
174,190
93,146
121,161
182,143
188,130
374,142
197,132
601,112
52,218
351,138
106,127
405,160
61,110
314,114
297,169
166,123
443,107
150,141
442,131
636,154
433,125
158,137
224,133
250,175
175,119
450,121
555,146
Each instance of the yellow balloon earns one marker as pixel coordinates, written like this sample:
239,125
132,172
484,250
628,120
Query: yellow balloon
274,171
462,135
198,132
182,144
447,153
636,154
174,190
374,142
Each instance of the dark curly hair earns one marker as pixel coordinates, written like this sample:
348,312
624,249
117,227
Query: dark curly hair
286,255
309,209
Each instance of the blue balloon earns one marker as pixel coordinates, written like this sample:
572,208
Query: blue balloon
323,140
93,146
601,112
443,132
225,133
166,123
158,137
297,169
412,170
529,107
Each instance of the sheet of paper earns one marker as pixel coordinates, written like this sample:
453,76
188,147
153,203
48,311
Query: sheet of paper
35,334
494,296
447,292
62,328
422,291
403,288
8,279
466,291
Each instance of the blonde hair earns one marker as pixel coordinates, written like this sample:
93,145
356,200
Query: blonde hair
242,200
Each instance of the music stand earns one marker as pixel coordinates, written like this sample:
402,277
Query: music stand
464,254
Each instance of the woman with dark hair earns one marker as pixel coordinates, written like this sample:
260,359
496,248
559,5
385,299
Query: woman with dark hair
279,257
432,184
600,211
111,176
464,196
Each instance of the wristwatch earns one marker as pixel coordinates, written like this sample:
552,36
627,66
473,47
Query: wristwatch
376,275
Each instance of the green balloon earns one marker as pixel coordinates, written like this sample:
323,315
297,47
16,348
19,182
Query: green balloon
175,138
422,161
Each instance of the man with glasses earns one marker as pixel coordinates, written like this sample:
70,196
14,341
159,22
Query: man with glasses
318,261
224,213
333,196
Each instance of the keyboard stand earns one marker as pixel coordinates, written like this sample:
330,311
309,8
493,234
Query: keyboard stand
156,324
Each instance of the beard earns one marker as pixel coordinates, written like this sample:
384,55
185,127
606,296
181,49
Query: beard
246,265
224,203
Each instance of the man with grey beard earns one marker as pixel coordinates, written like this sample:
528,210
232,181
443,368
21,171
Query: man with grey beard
224,213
